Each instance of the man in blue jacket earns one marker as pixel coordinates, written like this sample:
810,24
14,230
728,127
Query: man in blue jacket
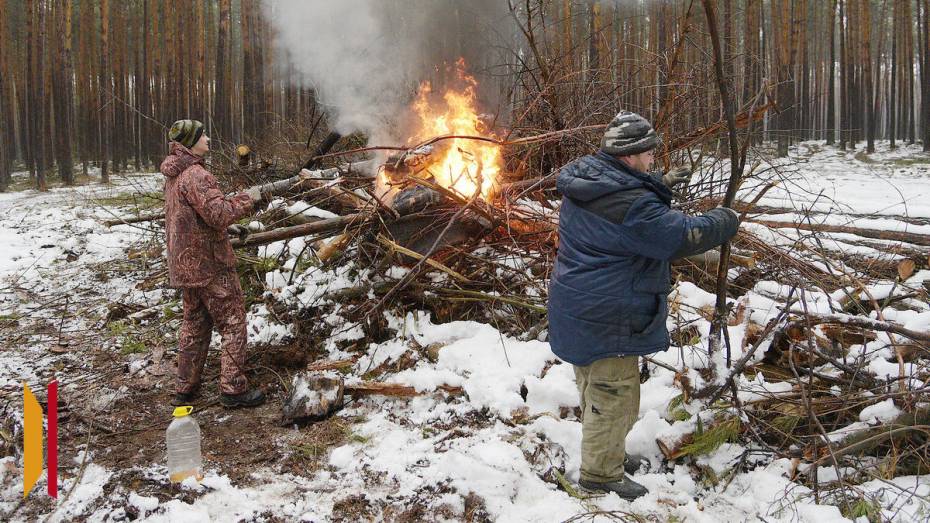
608,298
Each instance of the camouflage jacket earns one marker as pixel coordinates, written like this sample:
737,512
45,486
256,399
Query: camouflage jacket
196,216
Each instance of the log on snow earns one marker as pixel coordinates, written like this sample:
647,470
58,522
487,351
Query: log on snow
368,388
858,442
878,234
858,321
135,219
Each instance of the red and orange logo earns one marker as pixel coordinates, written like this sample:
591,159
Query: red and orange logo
32,439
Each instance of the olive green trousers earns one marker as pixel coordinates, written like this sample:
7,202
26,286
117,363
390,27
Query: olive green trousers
609,390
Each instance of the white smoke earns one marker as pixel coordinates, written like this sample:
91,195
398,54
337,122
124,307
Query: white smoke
365,58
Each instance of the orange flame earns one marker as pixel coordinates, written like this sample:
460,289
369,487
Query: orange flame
464,165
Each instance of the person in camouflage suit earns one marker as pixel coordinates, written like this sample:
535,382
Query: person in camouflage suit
202,264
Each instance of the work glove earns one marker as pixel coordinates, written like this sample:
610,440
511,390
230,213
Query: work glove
731,211
241,231
677,176
255,194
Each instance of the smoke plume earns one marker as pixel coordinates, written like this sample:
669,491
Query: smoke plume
365,58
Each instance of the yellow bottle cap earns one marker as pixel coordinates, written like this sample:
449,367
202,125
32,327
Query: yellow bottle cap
180,412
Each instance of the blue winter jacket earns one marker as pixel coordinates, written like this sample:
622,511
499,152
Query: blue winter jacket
617,234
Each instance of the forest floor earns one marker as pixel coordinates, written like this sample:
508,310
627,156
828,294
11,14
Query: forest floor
88,305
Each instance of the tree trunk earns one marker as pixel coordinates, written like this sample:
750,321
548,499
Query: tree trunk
86,100
221,108
104,88
248,70
29,97
803,112
6,115
142,85
64,95
157,95
925,74
909,106
867,76
893,91
846,79
784,52
40,113
830,126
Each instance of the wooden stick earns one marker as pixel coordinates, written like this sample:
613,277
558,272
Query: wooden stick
417,256
331,225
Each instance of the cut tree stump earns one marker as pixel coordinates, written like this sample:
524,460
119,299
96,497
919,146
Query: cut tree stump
313,396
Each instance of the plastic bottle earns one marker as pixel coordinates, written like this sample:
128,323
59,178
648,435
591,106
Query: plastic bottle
183,440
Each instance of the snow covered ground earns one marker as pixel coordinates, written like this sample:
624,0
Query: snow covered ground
826,179
491,453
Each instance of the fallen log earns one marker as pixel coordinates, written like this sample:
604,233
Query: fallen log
332,189
370,388
878,234
331,225
756,208
810,318
136,219
710,260
857,442
331,364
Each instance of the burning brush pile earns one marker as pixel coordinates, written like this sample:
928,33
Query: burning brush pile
440,205
825,358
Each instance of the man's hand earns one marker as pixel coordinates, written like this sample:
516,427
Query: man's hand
677,176
255,194
238,230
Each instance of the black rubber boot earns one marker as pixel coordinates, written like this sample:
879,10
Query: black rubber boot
632,464
185,398
625,488
249,398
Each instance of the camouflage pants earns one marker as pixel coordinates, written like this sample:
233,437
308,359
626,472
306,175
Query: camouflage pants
609,390
219,304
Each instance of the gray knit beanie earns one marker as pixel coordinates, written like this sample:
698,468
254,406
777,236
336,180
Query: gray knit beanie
628,134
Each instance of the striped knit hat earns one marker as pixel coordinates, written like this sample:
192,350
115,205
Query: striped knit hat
628,134
186,132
